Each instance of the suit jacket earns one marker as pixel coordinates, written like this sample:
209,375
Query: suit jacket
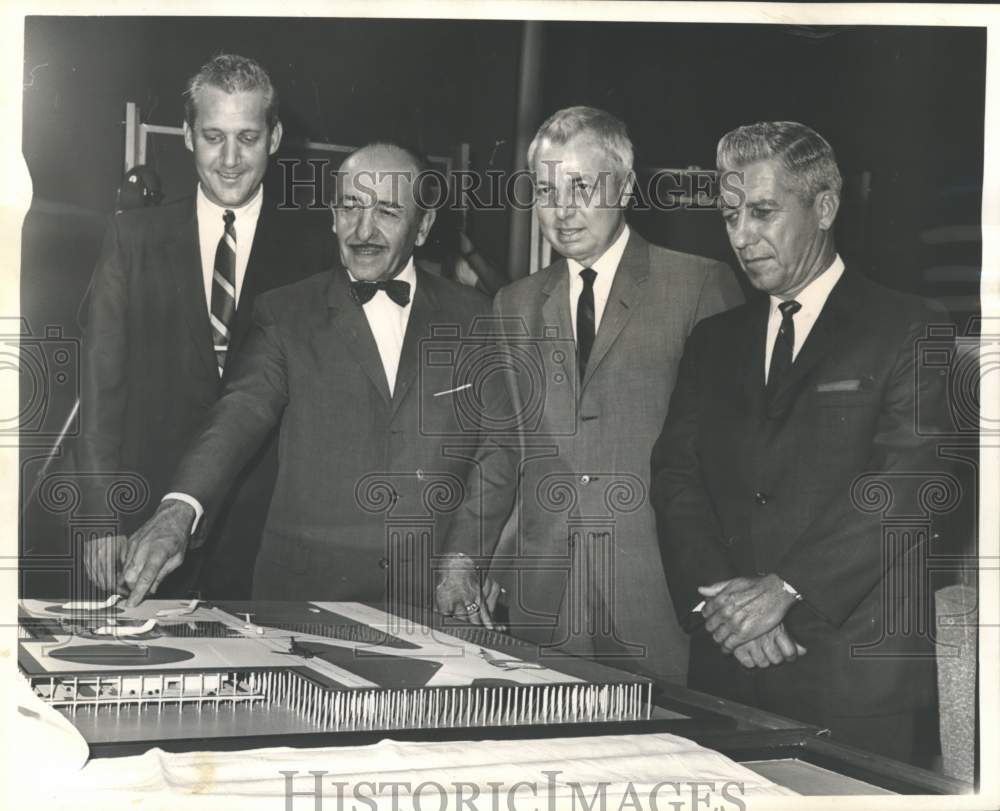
364,478
581,566
806,485
149,372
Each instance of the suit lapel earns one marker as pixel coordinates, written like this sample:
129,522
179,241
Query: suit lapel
184,257
753,354
263,266
350,321
555,311
425,303
623,298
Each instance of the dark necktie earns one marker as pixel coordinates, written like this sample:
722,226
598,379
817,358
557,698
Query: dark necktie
224,290
396,289
784,347
585,320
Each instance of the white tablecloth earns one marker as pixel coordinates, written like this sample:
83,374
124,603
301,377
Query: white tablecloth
629,771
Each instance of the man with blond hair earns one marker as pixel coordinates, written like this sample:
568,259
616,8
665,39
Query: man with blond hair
168,311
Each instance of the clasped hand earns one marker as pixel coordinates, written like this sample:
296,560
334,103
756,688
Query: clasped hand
744,616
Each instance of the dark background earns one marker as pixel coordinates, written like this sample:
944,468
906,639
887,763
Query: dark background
903,104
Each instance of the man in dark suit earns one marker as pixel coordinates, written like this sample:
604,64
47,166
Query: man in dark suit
790,413
579,559
364,479
168,310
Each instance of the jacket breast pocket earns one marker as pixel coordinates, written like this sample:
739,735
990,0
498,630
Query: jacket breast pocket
842,398
846,417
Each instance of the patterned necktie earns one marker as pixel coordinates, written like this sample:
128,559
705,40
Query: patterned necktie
396,289
224,290
784,347
585,320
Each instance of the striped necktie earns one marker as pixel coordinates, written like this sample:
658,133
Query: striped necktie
224,290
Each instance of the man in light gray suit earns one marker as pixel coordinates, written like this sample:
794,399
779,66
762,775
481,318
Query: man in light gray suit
606,324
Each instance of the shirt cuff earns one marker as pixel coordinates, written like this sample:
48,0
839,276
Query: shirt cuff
697,609
791,590
192,502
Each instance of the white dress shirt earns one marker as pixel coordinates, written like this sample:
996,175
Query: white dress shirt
210,228
812,297
605,268
388,321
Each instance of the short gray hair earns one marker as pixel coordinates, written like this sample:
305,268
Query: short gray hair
604,129
233,74
802,151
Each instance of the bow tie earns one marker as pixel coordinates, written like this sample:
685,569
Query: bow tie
397,290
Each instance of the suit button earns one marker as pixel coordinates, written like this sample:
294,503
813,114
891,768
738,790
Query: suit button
585,479
383,563
760,498
420,474
731,540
